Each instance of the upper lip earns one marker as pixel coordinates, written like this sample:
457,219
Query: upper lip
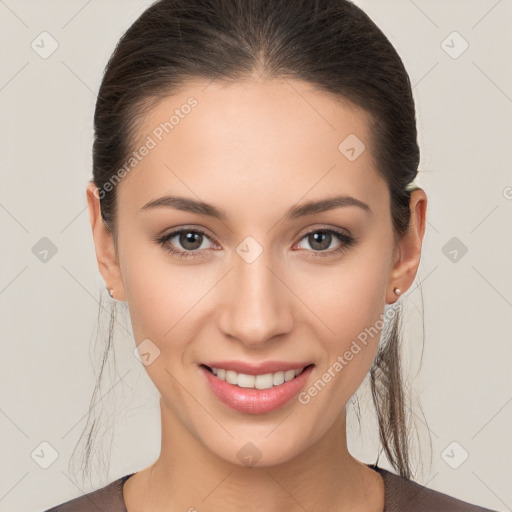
257,368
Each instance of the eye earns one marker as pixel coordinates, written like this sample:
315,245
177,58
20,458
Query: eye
191,240
322,239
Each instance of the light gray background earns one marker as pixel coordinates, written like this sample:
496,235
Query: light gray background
49,309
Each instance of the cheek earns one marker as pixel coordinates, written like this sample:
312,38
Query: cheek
163,296
347,297
164,301
349,353
348,300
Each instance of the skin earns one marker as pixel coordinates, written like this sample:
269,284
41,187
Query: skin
255,149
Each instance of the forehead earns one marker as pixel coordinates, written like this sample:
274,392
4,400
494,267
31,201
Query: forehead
251,138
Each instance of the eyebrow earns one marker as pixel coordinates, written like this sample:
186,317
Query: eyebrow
202,208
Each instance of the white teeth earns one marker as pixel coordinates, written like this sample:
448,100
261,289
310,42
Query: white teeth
278,378
231,377
265,381
246,381
289,375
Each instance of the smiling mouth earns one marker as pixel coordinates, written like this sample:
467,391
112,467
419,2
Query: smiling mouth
263,381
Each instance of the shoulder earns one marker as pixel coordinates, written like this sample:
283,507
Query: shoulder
405,495
109,497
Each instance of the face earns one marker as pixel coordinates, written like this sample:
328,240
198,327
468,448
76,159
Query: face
263,280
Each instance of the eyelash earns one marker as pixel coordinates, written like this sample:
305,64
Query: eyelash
346,242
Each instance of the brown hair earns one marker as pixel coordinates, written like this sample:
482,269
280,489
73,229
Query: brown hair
331,44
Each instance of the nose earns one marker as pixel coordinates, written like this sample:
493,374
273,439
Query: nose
256,306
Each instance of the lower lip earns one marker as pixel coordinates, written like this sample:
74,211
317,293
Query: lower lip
255,401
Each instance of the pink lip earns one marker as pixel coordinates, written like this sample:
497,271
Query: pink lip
257,369
255,401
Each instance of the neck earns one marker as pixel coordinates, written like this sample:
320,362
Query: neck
322,477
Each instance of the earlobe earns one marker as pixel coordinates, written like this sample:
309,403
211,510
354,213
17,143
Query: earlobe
106,255
406,266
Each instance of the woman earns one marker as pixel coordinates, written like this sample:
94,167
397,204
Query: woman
253,203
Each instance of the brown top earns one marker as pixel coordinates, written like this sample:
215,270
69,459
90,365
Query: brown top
401,495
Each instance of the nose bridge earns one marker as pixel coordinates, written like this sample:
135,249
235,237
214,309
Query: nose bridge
255,308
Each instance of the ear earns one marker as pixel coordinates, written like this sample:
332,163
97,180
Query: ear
408,252
106,252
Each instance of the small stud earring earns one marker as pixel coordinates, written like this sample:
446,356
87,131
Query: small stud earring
110,292
397,291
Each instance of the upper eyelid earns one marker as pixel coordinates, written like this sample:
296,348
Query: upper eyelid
186,229
339,230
